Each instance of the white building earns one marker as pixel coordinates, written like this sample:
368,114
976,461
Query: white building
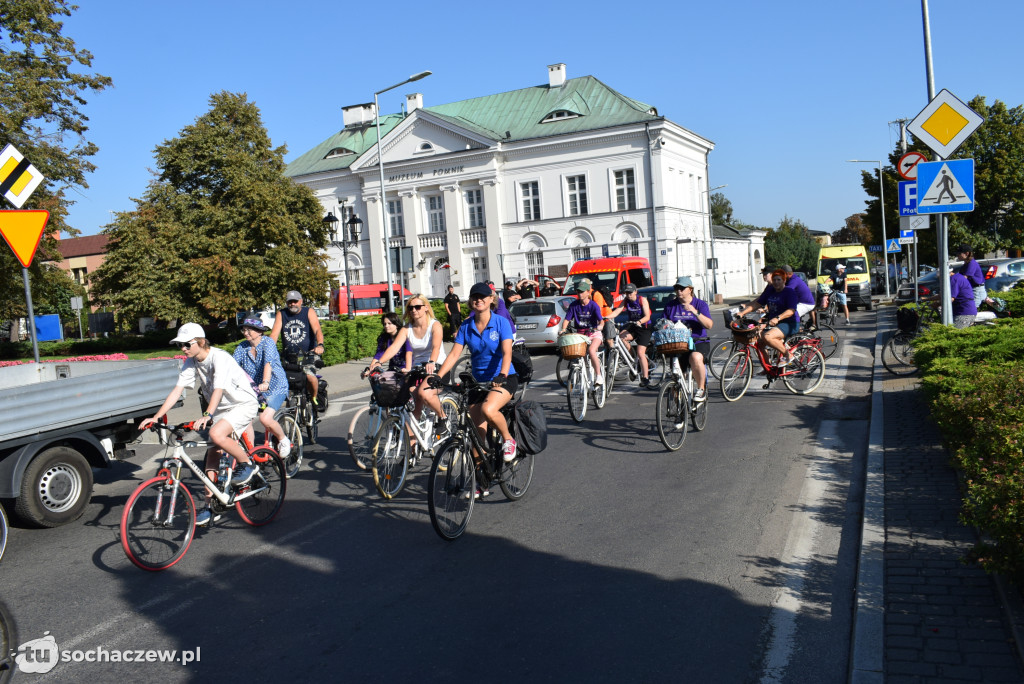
522,183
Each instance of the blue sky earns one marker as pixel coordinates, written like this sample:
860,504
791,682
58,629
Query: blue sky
786,90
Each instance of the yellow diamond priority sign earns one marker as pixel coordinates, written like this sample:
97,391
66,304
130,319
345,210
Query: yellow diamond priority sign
945,123
18,178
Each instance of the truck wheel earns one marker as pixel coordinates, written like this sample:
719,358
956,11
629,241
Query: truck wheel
56,488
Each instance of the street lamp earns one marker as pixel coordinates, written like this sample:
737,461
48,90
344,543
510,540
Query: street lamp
352,227
881,205
383,204
711,233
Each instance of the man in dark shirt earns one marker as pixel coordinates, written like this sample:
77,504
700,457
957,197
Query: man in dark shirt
527,288
550,289
452,306
509,294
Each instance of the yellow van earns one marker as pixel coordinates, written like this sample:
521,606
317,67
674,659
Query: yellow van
858,273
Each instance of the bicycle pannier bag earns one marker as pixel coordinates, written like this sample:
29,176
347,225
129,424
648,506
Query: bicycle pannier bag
523,364
531,427
389,389
906,319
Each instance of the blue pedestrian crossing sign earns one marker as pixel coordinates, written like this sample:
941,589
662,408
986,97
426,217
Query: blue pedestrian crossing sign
893,246
945,186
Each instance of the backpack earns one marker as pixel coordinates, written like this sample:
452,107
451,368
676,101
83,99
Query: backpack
531,427
522,363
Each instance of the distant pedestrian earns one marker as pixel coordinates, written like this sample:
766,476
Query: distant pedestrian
454,308
972,271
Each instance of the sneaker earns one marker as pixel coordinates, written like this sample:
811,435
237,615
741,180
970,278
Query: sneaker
284,447
478,494
441,428
204,516
783,362
645,382
508,450
847,321
700,395
599,381
243,474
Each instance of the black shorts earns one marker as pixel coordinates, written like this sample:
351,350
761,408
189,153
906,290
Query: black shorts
703,347
479,394
641,334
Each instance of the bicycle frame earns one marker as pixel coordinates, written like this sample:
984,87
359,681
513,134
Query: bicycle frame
486,460
625,352
179,455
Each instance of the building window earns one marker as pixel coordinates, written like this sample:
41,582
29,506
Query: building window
435,213
396,223
576,186
625,190
580,253
79,275
559,115
534,264
629,249
479,269
475,208
531,200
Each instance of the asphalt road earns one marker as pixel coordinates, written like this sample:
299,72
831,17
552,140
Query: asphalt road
731,560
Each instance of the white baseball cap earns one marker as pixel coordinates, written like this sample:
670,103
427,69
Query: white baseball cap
189,331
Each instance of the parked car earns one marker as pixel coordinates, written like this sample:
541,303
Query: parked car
657,297
539,320
1002,274
924,269
927,285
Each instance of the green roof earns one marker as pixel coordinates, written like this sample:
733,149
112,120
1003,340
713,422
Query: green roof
518,113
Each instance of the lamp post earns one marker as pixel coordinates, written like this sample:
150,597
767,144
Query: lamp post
383,204
353,228
711,234
881,206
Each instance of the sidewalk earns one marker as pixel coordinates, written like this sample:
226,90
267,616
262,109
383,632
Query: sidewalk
933,618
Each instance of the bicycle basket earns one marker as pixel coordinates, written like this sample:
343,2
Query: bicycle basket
743,331
672,340
907,320
389,389
572,346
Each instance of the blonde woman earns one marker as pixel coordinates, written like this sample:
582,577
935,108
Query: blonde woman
426,337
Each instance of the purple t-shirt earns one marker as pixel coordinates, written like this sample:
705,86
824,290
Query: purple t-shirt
635,310
675,311
587,318
962,294
971,270
398,360
778,302
803,293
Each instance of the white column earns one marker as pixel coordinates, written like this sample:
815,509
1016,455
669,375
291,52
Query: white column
375,238
493,220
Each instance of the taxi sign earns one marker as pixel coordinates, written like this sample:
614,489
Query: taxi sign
945,123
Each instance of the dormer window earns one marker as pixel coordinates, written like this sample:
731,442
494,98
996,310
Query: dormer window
424,148
338,152
559,115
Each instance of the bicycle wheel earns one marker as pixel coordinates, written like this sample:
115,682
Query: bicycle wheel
657,366
720,353
898,354
8,646
450,405
362,431
736,375
291,430
307,417
562,370
390,458
830,340
699,411
158,524
671,411
3,537
576,392
808,373
600,394
451,490
611,368
270,484
516,476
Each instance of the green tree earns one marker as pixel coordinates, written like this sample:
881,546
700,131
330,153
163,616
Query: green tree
721,210
41,95
219,230
791,243
853,232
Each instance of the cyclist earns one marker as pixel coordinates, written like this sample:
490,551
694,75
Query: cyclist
425,336
780,303
300,326
604,299
231,409
258,357
489,338
638,328
805,298
839,290
391,324
696,315
586,314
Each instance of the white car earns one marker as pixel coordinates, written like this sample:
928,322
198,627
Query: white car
539,320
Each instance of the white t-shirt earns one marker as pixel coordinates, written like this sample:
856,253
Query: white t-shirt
422,347
219,371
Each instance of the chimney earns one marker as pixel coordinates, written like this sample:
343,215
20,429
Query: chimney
414,102
556,75
357,115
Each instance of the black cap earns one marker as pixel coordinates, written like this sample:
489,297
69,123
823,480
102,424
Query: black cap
480,290
964,249
629,287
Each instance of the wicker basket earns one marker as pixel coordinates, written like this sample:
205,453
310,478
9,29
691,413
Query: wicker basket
673,348
743,337
572,346
669,341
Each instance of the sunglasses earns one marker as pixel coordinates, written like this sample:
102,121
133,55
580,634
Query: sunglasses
416,307
188,345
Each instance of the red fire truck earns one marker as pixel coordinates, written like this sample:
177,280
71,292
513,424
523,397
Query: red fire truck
366,299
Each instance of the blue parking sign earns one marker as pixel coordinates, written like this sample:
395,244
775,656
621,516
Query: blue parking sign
908,198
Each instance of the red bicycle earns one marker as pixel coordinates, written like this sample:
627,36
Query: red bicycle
801,376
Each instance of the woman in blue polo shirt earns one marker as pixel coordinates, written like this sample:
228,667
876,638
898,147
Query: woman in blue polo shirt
489,338
695,314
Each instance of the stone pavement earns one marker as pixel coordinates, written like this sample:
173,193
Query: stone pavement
944,620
